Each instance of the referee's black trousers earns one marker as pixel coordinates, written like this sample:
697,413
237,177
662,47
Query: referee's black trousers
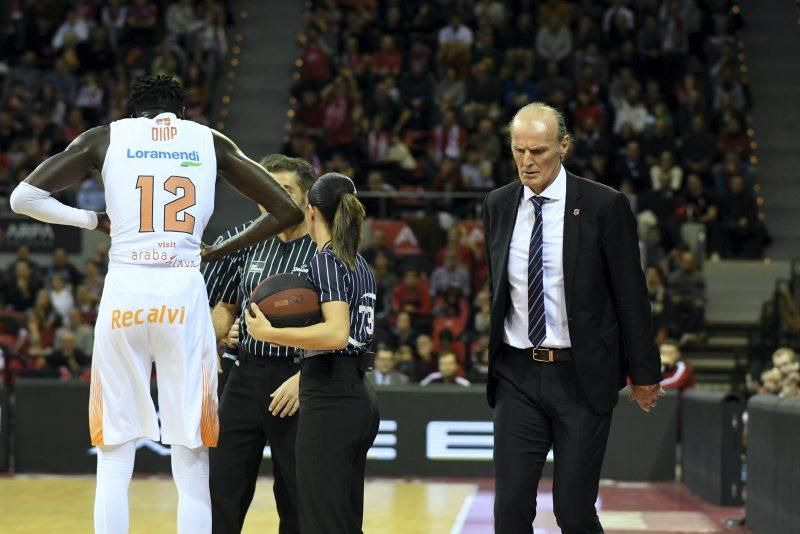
245,428
539,405
337,426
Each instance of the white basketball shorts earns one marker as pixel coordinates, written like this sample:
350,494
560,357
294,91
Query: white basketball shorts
149,315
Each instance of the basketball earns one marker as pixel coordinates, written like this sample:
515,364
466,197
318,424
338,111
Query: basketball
287,300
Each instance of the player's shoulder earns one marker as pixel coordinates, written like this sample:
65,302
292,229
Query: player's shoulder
93,143
95,135
222,143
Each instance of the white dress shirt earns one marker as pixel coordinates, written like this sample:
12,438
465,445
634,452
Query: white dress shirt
515,330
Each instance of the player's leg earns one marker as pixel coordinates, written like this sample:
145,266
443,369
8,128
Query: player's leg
120,407
190,473
185,354
114,470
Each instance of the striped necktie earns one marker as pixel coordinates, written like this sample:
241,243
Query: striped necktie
537,327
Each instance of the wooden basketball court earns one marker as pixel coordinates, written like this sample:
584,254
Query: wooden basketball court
45,504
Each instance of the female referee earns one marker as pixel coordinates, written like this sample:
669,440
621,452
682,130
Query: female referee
338,411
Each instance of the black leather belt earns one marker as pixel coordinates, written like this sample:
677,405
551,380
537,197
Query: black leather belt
365,361
542,354
337,365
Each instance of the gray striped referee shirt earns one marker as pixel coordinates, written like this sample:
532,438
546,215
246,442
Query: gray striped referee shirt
233,278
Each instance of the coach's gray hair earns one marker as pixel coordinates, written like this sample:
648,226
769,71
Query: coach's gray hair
541,106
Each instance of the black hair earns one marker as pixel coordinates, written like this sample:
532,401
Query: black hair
303,169
334,195
157,93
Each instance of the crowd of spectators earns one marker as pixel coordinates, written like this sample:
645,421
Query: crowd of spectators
782,379
48,314
67,66
412,97
416,97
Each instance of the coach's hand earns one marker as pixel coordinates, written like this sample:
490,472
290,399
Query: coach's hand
286,399
646,396
231,339
258,325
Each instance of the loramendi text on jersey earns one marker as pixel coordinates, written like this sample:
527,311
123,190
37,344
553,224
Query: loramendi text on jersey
160,176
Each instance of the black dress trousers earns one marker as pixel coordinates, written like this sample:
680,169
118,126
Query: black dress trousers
222,377
246,426
338,424
540,405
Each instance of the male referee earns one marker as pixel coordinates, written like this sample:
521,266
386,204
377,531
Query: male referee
261,394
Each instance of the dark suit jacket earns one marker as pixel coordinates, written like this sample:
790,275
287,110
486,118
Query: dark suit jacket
608,308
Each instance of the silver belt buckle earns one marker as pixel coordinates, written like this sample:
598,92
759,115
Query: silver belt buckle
543,355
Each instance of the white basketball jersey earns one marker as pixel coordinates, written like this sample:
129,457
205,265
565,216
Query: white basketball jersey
159,177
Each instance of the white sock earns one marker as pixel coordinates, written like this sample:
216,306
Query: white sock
114,470
190,472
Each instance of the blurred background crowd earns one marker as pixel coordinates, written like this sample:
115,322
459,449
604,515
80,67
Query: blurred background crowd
410,98
68,66
416,97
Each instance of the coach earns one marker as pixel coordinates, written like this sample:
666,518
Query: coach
570,319
261,396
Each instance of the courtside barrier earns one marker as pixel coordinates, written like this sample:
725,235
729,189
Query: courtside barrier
773,465
711,445
642,445
424,431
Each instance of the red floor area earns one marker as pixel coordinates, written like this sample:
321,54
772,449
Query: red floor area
624,507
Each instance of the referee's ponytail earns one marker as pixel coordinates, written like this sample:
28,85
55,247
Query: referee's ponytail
334,195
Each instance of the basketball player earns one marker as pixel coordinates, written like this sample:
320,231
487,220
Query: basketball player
159,173
338,410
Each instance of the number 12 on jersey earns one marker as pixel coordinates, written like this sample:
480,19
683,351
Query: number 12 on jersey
172,209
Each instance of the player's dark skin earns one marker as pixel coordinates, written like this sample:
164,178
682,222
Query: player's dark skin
88,151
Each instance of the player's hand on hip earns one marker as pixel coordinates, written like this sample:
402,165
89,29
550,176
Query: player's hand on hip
231,339
286,399
646,396
258,325
103,223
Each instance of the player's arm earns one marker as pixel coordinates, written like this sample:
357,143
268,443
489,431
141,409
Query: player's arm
254,182
33,197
